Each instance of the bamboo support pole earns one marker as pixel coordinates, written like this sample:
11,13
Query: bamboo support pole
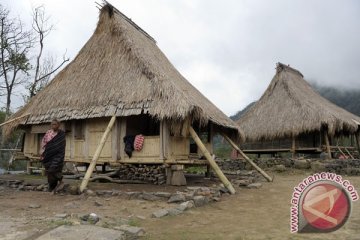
327,142
97,153
12,120
262,172
211,161
349,153
341,151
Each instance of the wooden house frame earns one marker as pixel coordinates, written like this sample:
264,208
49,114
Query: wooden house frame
160,146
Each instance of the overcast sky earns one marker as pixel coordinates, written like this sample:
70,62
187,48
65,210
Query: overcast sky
227,49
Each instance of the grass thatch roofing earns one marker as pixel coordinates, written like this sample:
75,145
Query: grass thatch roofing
121,69
289,106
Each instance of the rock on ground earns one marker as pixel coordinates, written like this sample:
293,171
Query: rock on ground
131,230
34,206
254,185
160,213
174,211
177,198
150,197
200,201
78,232
301,164
163,194
185,205
280,168
91,218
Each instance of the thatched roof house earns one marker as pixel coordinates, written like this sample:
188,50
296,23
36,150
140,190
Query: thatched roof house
121,71
291,107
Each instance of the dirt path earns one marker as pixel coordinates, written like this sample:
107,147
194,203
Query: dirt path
250,214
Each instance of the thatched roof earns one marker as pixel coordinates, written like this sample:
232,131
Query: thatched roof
120,69
290,106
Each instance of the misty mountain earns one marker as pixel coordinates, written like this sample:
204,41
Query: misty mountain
239,113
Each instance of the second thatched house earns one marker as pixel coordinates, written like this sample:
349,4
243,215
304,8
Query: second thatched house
291,116
121,72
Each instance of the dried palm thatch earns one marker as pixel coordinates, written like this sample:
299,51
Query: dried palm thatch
120,69
289,106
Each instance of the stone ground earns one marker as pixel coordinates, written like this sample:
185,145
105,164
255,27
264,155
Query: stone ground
250,214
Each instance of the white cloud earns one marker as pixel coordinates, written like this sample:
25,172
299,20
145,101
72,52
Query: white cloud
228,49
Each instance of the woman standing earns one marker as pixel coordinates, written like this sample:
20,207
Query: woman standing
52,155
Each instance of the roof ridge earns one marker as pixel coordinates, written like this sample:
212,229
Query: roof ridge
112,9
283,67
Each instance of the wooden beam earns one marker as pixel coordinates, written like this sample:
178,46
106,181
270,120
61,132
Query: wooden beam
341,151
293,146
352,157
327,142
162,140
122,129
12,120
357,138
167,139
115,142
86,140
262,172
212,163
211,137
97,154
72,142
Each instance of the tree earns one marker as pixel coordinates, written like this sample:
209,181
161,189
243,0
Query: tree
22,58
44,67
15,44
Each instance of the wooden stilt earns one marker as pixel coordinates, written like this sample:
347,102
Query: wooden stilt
28,167
97,153
103,168
212,162
262,172
357,138
177,175
327,142
207,173
293,147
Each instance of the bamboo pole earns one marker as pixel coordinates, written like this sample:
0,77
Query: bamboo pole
293,147
97,153
12,120
262,172
211,161
327,142
341,151
349,153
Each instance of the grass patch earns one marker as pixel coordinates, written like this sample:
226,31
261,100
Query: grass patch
196,169
107,225
61,222
134,222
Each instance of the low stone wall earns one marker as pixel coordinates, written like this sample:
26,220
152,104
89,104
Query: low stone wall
339,166
191,196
